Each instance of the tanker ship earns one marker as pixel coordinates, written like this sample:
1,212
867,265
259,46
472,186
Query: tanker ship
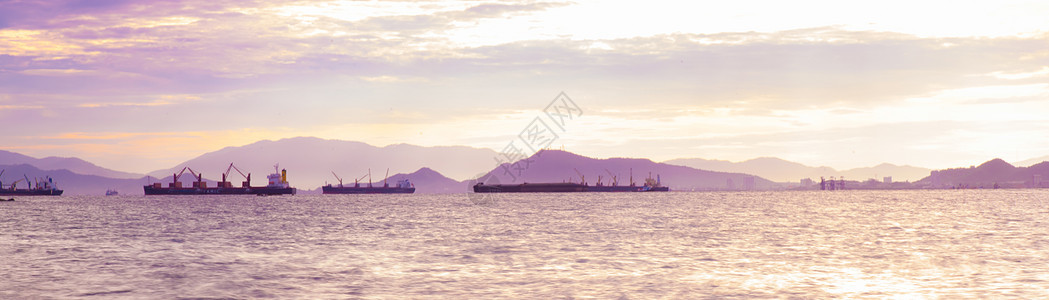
43,187
403,186
278,185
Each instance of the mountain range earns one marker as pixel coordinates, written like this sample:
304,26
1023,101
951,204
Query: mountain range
780,170
311,161
74,165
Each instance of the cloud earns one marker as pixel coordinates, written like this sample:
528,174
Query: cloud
115,66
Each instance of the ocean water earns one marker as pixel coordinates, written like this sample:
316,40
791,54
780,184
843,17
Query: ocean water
855,244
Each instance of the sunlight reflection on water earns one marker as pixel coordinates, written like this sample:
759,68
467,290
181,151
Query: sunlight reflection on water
879,244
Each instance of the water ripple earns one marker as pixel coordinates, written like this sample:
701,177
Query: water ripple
843,244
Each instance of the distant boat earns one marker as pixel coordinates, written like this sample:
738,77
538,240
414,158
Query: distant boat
112,192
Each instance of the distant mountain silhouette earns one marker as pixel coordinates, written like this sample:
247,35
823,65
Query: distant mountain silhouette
898,173
428,181
310,161
768,167
1031,162
986,175
75,165
780,170
561,166
71,183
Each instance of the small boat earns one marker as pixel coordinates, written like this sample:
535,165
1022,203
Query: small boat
112,192
12,199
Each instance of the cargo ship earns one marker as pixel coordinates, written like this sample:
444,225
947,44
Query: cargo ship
43,188
278,185
651,185
564,187
403,186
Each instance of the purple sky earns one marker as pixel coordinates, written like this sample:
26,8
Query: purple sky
143,85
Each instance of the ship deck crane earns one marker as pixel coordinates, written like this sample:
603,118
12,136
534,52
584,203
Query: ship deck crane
199,176
16,182
615,179
631,176
356,182
337,177
247,178
384,184
176,176
582,178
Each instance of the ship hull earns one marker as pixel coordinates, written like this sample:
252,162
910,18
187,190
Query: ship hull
530,188
29,192
561,188
150,190
366,190
613,189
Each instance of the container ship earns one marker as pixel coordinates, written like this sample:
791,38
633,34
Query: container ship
403,186
651,185
278,185
43,188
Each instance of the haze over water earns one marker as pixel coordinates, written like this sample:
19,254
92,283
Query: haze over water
878,244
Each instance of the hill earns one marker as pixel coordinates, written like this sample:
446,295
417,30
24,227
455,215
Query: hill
1031,162
428,181
780,170
988,174
561,166
74,165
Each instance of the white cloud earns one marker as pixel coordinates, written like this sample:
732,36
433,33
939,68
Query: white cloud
1022,75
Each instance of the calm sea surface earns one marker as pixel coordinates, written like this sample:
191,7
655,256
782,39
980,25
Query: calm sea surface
858,244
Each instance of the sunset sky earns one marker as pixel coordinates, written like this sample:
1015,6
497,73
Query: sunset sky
143,85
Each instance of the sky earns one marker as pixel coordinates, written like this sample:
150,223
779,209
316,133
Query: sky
144,85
